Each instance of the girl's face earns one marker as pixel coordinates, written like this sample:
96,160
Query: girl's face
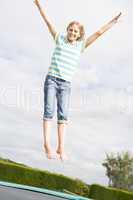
73,33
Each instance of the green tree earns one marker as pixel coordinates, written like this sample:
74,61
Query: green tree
119,169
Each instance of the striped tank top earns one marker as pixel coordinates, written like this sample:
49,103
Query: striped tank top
65,57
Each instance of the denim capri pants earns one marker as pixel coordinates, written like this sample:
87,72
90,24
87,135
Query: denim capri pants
58,91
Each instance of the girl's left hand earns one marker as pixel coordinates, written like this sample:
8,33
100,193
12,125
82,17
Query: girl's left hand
117,17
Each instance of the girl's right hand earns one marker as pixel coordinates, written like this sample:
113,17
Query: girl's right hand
37,3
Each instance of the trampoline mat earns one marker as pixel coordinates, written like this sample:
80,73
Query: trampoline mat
8,193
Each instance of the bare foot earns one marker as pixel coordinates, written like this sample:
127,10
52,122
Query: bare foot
48,152
62,155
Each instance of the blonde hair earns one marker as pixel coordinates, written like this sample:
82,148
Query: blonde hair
81,29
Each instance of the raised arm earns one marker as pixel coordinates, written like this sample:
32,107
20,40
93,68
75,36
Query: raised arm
103,29
50,27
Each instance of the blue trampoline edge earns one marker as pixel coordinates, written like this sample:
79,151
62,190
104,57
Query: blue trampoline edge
42,190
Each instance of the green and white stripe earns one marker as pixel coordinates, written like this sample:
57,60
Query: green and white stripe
65,58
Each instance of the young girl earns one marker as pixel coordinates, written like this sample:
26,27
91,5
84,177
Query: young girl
57,85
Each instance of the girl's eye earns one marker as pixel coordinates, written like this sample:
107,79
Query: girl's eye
71,30
74,30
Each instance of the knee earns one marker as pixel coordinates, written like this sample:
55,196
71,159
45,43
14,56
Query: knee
62,117
48,112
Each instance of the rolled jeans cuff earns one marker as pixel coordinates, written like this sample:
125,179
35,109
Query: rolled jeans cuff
62,121
47,119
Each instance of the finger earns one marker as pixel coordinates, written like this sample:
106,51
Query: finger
118,15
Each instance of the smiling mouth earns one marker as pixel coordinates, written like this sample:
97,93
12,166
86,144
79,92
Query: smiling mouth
72,36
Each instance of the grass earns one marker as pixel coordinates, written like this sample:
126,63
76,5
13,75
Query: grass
11,171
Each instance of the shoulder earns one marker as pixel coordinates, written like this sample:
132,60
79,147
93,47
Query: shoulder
62,36
80,44
83,43
59,37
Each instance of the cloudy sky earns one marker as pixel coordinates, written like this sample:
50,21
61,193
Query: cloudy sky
101,112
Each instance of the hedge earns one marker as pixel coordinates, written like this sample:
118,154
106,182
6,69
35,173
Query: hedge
99,192
17,173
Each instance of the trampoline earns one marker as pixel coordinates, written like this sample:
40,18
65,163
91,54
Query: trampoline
14,191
